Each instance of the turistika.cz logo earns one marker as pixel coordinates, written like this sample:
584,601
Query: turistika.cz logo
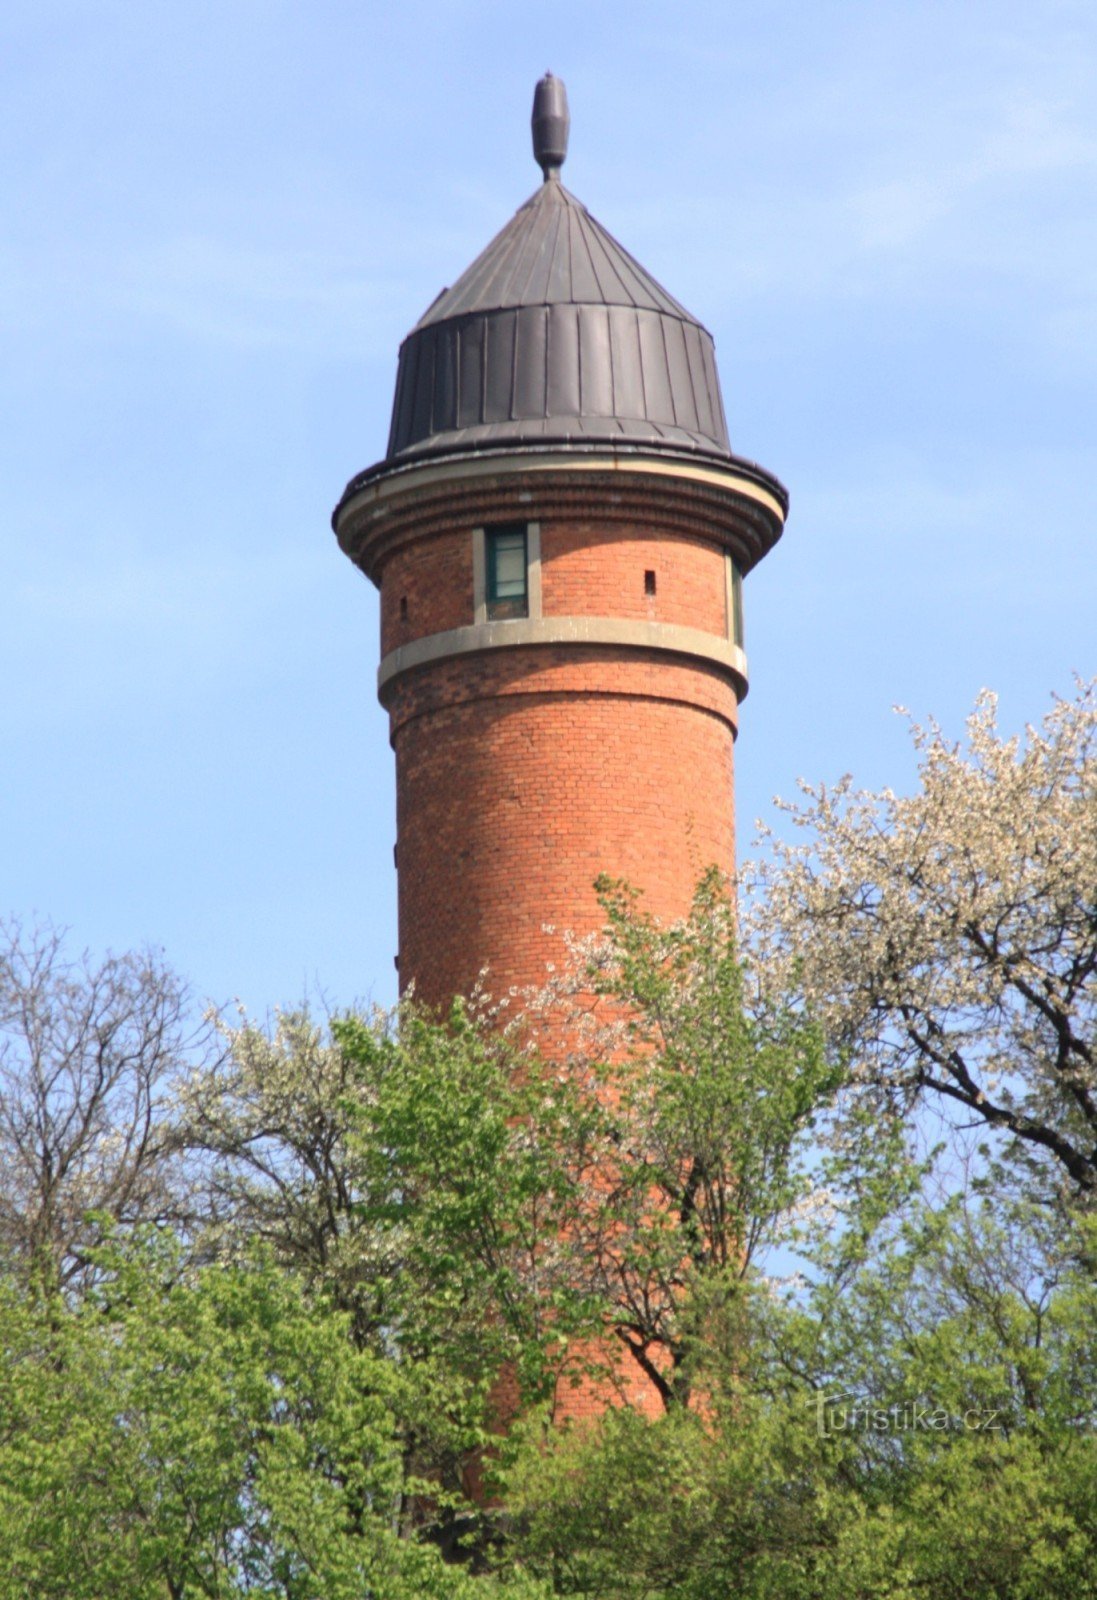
841,1413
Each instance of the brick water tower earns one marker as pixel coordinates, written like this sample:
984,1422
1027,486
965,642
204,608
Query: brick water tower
559,532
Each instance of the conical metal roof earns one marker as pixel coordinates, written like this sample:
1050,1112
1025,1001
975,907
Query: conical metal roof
553,252
555,335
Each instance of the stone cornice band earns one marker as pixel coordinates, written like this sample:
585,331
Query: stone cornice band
730,505
611,632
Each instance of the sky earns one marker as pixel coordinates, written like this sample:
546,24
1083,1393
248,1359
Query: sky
221,219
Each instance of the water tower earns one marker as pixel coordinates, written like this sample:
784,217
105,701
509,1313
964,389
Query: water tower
559,531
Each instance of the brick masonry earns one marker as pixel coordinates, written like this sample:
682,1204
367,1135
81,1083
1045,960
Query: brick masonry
511,801
524,772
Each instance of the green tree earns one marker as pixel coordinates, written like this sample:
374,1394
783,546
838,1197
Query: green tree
368,1157
212,1433
927,1431
613,1200
707,1094
464,1141
268,1125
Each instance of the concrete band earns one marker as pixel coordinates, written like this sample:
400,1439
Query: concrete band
613,632
411,477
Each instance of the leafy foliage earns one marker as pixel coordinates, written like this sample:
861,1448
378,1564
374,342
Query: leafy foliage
200,1434
269,1125
929,1432
702,1096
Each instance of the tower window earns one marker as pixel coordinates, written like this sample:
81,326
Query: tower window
507,572
649,583
736,603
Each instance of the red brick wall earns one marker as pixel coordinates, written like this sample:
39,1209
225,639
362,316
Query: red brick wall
587,570
555,669
434,576
522,774
511,804
590,570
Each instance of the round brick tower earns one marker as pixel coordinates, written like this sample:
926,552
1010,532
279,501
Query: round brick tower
559,532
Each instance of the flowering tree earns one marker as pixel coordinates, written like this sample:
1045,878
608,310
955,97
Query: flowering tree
600,1198
266,1126
948,940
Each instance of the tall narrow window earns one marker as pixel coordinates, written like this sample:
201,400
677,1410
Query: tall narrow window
507,574
736,604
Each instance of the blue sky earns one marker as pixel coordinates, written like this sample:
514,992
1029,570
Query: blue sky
220,220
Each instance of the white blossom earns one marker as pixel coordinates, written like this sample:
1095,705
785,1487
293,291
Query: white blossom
948,939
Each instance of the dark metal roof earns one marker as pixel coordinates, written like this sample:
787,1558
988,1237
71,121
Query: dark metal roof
552,252
555,335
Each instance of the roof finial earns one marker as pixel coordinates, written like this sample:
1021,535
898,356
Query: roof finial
550,123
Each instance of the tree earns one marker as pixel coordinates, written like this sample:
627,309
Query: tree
358,1153
554,1215
948,940
87,1053
706,1094
465,1140
925,1429
183,1434
269,1122
499,1224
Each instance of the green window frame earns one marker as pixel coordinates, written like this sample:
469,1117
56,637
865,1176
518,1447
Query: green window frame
506,552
